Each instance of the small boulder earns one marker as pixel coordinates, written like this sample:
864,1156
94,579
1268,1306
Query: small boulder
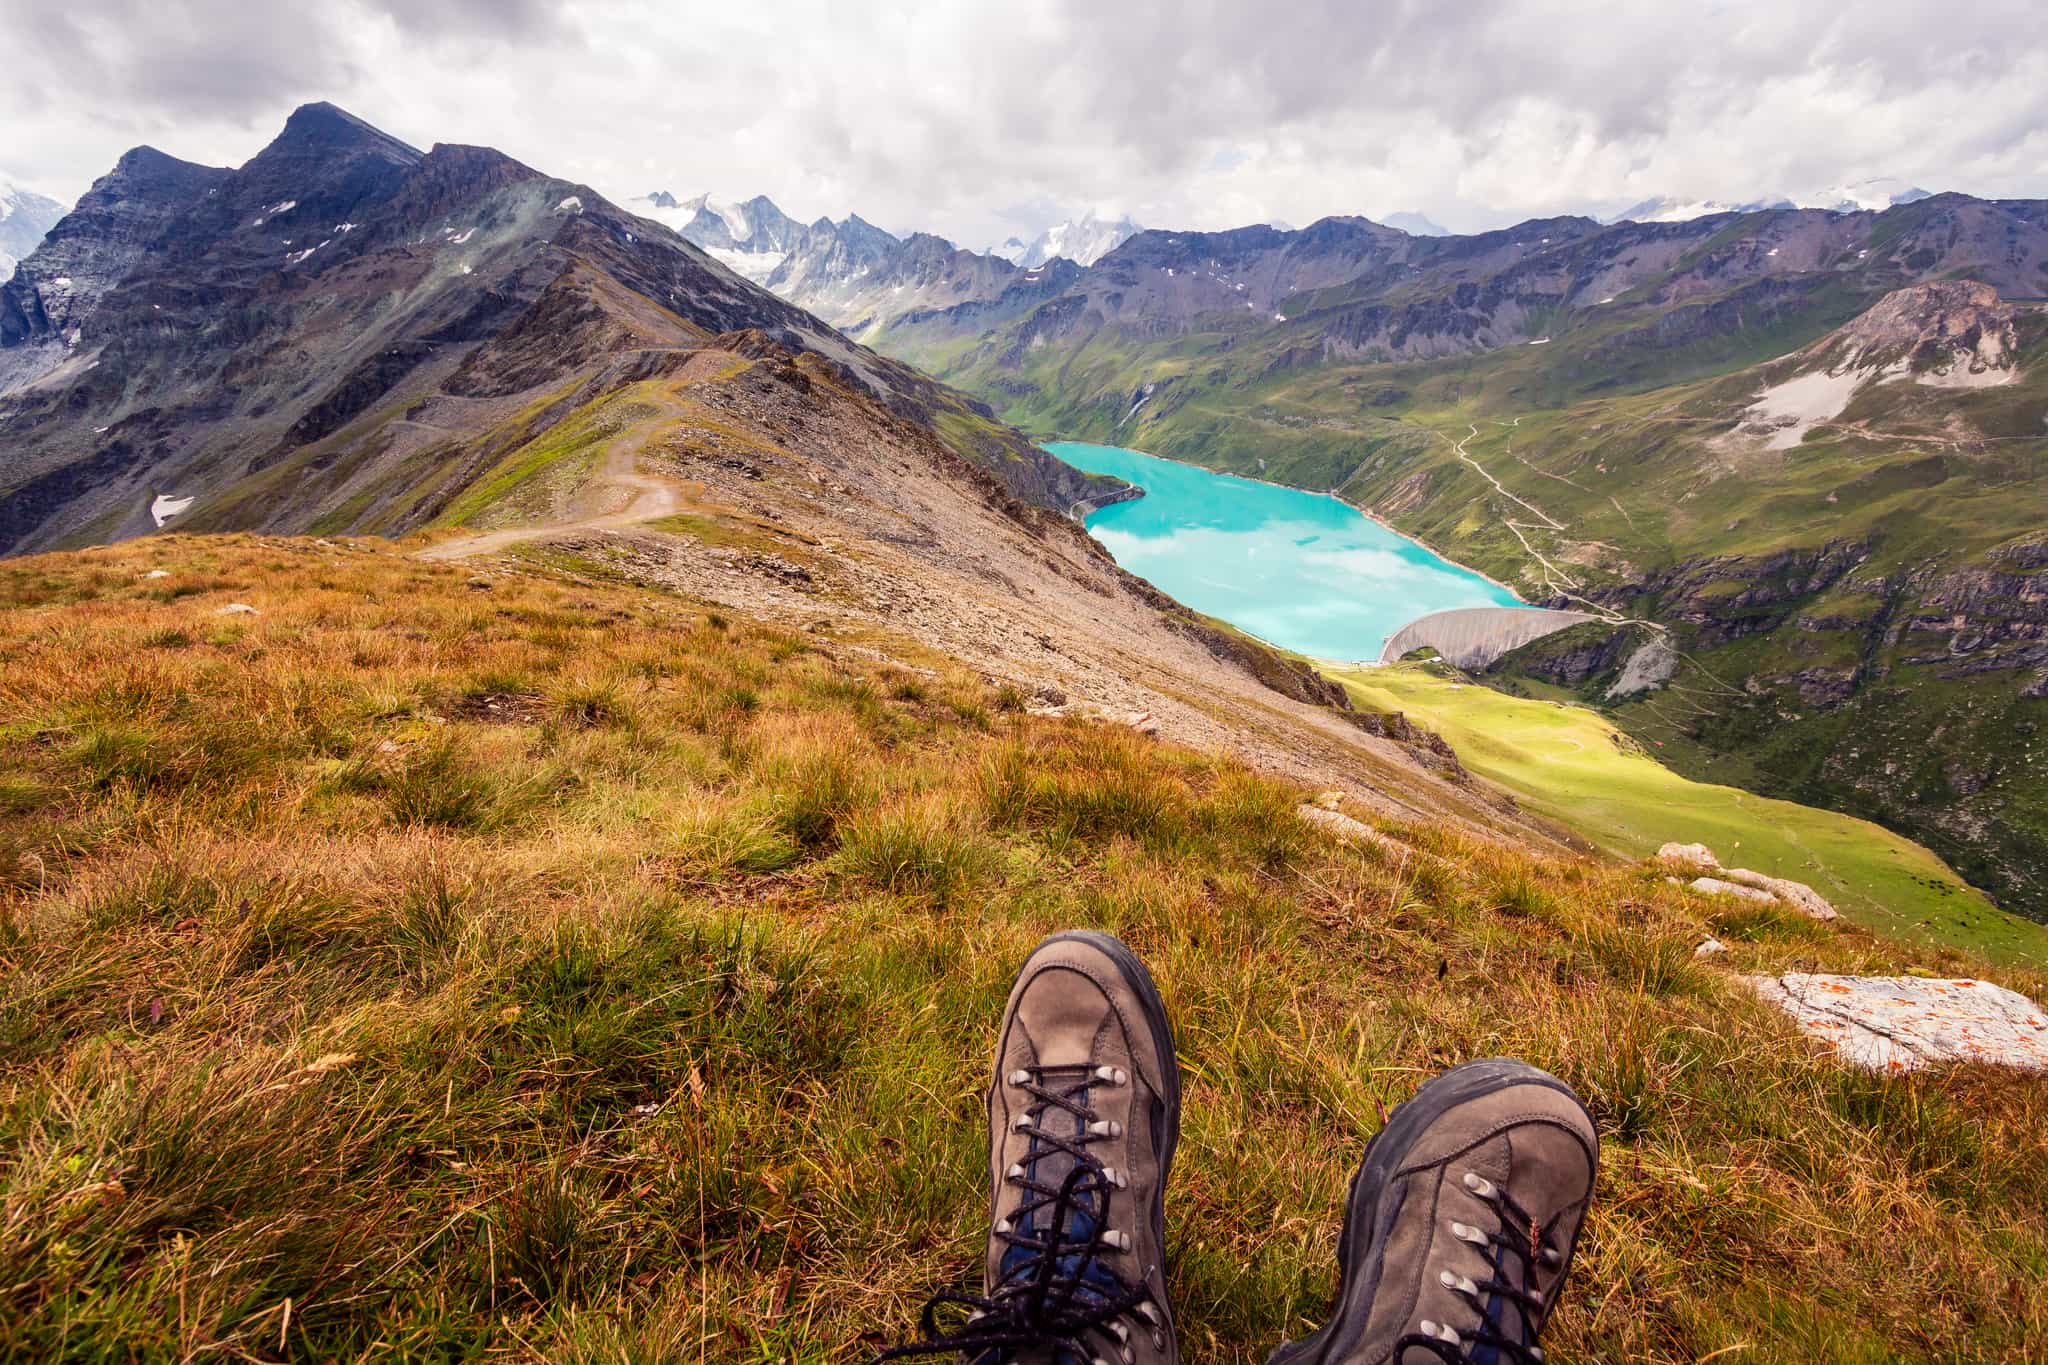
1713,947
1798,895
1689,855
237,609
157,573
1714,886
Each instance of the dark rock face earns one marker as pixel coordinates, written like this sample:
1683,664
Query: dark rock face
119,222
1723,600
1574,658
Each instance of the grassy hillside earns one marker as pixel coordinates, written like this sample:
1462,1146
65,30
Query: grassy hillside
1571,764
435,965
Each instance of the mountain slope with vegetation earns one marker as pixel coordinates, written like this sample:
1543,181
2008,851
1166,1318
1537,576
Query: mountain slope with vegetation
434,963
1570,764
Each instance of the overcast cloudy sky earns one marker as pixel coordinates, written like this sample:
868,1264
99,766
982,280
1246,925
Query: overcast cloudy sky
978,120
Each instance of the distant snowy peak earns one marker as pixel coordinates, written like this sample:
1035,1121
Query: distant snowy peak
1084,241
24,217
1415,225
1862,197
744,225
753,238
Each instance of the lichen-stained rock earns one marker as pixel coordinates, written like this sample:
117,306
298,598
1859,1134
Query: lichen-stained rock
1900,1023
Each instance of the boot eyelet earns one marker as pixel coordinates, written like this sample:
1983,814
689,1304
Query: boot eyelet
1018,1078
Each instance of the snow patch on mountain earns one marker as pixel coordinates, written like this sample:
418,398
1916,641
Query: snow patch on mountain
753,265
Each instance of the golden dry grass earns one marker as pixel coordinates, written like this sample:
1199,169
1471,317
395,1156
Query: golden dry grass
548,970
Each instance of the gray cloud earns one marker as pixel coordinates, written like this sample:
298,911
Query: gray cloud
980,120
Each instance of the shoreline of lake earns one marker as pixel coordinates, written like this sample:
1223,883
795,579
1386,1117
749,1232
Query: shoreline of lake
1331,494
1303,570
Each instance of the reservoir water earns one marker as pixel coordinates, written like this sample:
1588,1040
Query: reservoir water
1304,571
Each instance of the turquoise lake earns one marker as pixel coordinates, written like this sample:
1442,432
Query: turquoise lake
1304,571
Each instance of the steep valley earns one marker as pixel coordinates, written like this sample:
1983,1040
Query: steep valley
1818,480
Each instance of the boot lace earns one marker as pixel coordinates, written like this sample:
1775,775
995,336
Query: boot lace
1503,1290
1055,1293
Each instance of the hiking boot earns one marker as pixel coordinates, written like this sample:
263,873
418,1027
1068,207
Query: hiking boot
1460,1223
1083,1113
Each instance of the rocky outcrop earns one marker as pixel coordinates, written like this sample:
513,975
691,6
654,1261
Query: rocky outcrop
1726,598
1741,882
1798,895
1950,333
1649,668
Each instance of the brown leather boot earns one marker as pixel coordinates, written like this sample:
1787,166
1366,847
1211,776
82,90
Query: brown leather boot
1461,1223
1083,1113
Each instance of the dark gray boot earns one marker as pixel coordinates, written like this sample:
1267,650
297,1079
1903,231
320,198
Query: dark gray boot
1083,1114
1461,1223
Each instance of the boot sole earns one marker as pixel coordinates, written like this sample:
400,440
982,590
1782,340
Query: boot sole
1384,1153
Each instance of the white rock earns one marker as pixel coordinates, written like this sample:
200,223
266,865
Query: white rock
1899,1023
1796,894
1692,855
157,573
237,609
1713,947
1714,886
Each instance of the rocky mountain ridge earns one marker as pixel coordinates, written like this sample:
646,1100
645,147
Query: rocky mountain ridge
350,313
861,278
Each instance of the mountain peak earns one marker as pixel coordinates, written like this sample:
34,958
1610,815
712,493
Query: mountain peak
327,127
